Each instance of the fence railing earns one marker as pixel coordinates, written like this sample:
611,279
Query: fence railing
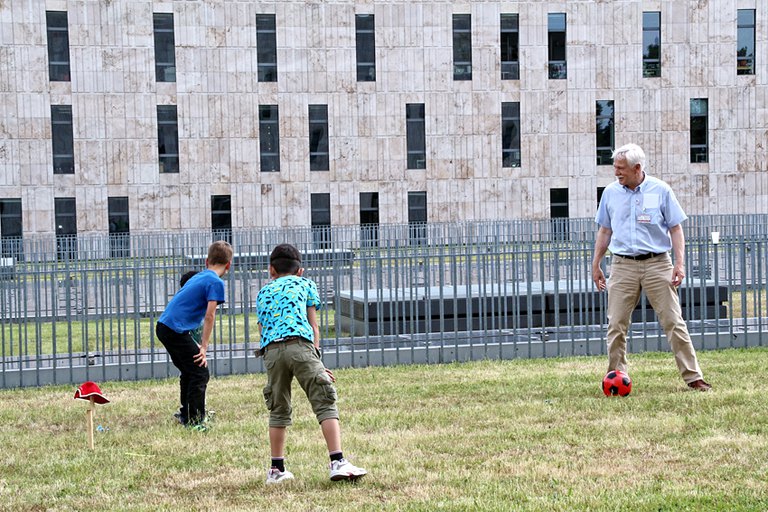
86,309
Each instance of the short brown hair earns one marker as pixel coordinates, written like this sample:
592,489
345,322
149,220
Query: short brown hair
219,253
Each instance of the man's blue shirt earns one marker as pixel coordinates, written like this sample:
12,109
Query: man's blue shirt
187,308
281,307
639,219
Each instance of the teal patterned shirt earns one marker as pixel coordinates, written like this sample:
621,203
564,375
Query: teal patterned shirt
281,307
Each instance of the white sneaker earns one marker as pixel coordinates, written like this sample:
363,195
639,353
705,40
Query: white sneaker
345,470
275,476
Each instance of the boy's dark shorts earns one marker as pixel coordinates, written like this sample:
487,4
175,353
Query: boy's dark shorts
286,360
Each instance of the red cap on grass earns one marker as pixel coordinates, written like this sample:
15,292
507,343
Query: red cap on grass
91,389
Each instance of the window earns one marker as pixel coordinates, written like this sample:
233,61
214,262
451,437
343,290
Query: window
165,48
462,47
557,63
510,134
600,191
63,140
415,137
119,227
417,218
58,46
320,210
10,229
366,47
318,138
699,128
221,218
510,47
65,214
269,138
745,42
558,207
604,131
266,47
168,138
369,219
651,44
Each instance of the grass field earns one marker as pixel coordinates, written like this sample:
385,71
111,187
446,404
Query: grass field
490,436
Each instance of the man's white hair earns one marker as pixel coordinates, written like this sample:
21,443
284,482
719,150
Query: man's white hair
632,153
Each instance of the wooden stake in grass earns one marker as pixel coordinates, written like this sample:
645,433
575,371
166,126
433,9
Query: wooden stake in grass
90,391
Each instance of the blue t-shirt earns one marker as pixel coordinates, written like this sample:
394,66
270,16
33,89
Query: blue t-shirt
187,308
639,219
281,307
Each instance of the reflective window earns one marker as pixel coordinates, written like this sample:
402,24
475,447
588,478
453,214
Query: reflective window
269,138
365,41
165,48
415,136
556,30
58,46
462,47
266,47
745,42
510,134
318,138
63,139
604,131
651,44
510,47
699,130
168,138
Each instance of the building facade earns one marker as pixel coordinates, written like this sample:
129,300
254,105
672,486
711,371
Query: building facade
133,116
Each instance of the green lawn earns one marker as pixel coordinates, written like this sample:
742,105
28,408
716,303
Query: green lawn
510,435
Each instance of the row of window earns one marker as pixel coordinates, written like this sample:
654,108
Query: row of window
365,44
65,217
416,147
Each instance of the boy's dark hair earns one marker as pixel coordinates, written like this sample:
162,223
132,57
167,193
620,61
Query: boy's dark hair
285,259
186,277
219,253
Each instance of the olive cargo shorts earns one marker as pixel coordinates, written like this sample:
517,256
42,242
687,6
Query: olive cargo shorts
283,362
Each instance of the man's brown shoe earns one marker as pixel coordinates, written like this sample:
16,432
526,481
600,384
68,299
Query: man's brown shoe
699,385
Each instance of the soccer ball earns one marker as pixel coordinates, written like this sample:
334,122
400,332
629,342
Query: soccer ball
616,383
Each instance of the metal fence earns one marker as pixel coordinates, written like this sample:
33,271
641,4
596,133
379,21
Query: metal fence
85,307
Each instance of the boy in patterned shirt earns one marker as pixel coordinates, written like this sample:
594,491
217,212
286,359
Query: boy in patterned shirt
290,342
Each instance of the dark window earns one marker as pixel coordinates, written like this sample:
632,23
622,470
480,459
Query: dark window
558,207
65,214
63,140
168,138
699,131
11,229
745,42
462,47
269,138
510,47
266,47
165,48
318,138
557,62
58,46
221,217
604,131
600,191
369,219
366,47
415,137
320,210
651,44
119,227
510,134
417,218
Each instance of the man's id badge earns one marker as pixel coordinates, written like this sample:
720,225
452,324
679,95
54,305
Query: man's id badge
643,218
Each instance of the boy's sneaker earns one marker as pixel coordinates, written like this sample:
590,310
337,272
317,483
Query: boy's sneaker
275,476
345,470
178,417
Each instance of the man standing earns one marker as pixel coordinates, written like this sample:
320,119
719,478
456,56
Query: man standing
640,221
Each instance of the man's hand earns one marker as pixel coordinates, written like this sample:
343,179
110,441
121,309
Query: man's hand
200,359
678,273
330,374
599,278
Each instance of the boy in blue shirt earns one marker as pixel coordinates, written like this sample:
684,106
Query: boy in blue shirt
290,341
194,303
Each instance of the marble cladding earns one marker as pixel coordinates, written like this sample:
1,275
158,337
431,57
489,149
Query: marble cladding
114,96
